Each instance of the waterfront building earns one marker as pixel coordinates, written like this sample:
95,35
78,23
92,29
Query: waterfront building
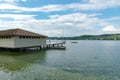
19,38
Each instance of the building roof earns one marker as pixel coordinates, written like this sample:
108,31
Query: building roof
19,32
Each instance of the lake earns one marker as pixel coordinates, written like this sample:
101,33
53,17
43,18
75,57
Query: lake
85,60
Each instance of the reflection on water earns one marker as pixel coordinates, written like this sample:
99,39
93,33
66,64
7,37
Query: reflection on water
86,60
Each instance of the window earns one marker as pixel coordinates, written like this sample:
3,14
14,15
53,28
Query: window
5,37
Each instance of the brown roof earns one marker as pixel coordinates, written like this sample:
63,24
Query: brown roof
19,32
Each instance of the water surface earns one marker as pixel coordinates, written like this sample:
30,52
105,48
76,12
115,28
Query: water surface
85,60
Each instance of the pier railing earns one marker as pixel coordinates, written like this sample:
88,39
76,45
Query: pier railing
56,45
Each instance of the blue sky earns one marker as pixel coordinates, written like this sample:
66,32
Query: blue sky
50,17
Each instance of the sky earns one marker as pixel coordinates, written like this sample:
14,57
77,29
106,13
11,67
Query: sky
57,18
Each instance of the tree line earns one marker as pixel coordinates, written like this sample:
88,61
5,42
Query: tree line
90,37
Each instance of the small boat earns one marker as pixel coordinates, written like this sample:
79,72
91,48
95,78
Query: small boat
74,42
64,42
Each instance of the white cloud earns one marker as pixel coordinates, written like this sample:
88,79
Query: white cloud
89,5
94,5
11,1
75,23
113,18
50,8
110,29
14,8
16,17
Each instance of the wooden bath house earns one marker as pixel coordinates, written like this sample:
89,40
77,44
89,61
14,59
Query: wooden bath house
19,38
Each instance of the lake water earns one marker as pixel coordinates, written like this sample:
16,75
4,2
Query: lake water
85,60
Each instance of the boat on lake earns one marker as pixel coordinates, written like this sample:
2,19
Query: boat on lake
74,42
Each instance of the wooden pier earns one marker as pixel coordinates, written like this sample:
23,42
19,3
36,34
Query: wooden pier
49,45
56,45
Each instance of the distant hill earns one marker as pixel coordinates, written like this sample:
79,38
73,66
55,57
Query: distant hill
90,37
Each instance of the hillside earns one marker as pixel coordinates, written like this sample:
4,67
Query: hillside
91,37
